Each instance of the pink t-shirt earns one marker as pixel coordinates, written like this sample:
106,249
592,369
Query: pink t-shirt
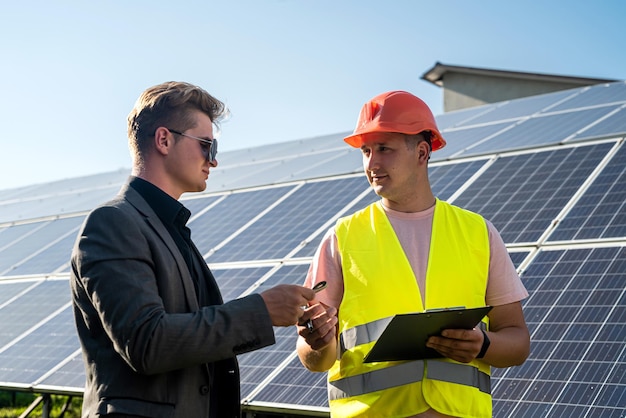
413,230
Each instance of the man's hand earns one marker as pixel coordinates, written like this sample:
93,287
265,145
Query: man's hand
461,345
508,333
318,325
284,303
317,343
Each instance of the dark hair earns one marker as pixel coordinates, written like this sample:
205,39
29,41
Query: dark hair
169,104
413,140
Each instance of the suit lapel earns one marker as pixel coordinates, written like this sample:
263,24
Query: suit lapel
155,223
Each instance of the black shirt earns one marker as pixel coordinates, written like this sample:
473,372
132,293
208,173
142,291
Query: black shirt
174,216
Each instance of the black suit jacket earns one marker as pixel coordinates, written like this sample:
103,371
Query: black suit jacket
146,342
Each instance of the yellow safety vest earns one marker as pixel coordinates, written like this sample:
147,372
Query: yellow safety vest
378,284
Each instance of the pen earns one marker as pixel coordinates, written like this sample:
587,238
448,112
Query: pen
319,286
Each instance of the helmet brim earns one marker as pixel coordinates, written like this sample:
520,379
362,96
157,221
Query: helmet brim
356,139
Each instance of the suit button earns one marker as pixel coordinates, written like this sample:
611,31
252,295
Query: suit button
204,390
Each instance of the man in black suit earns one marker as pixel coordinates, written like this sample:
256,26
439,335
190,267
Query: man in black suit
157,338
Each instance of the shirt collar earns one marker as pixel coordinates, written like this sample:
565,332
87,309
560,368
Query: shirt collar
169,210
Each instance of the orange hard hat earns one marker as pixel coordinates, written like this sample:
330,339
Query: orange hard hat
396,111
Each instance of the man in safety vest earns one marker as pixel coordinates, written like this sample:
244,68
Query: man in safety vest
409,252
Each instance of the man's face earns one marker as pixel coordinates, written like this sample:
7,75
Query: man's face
188,166
391,166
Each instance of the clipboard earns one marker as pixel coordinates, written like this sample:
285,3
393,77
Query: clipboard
405,336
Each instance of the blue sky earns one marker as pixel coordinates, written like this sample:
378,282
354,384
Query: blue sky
288,69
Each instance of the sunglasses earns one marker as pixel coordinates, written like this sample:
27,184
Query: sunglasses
209,146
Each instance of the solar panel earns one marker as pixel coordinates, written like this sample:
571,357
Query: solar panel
295,385
600,94
445,180
29,309
463,116
256,366
14,233
541,130
231,214
235,282
12,290
576,313
197,205
280,230
67,377
613,124
601,211
46,203
548,171
524,107
461,139
40,237
518,257
522,194
52,258
41,350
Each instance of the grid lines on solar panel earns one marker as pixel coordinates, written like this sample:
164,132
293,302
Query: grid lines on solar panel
43,349
576,316
14,233
70,376
596,95
288,224
225,218
601,211
257,365
52,259
10,290
460,139
234,282
341,162
462,116
518,257
295,385
36,241
38,206
30,308
445,180
197,205
521,195
541,130
614,124
294,166
523,107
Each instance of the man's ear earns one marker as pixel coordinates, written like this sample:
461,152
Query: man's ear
423,150
162,140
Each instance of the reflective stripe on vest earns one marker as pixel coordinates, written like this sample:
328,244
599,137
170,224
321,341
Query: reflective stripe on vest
410,372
